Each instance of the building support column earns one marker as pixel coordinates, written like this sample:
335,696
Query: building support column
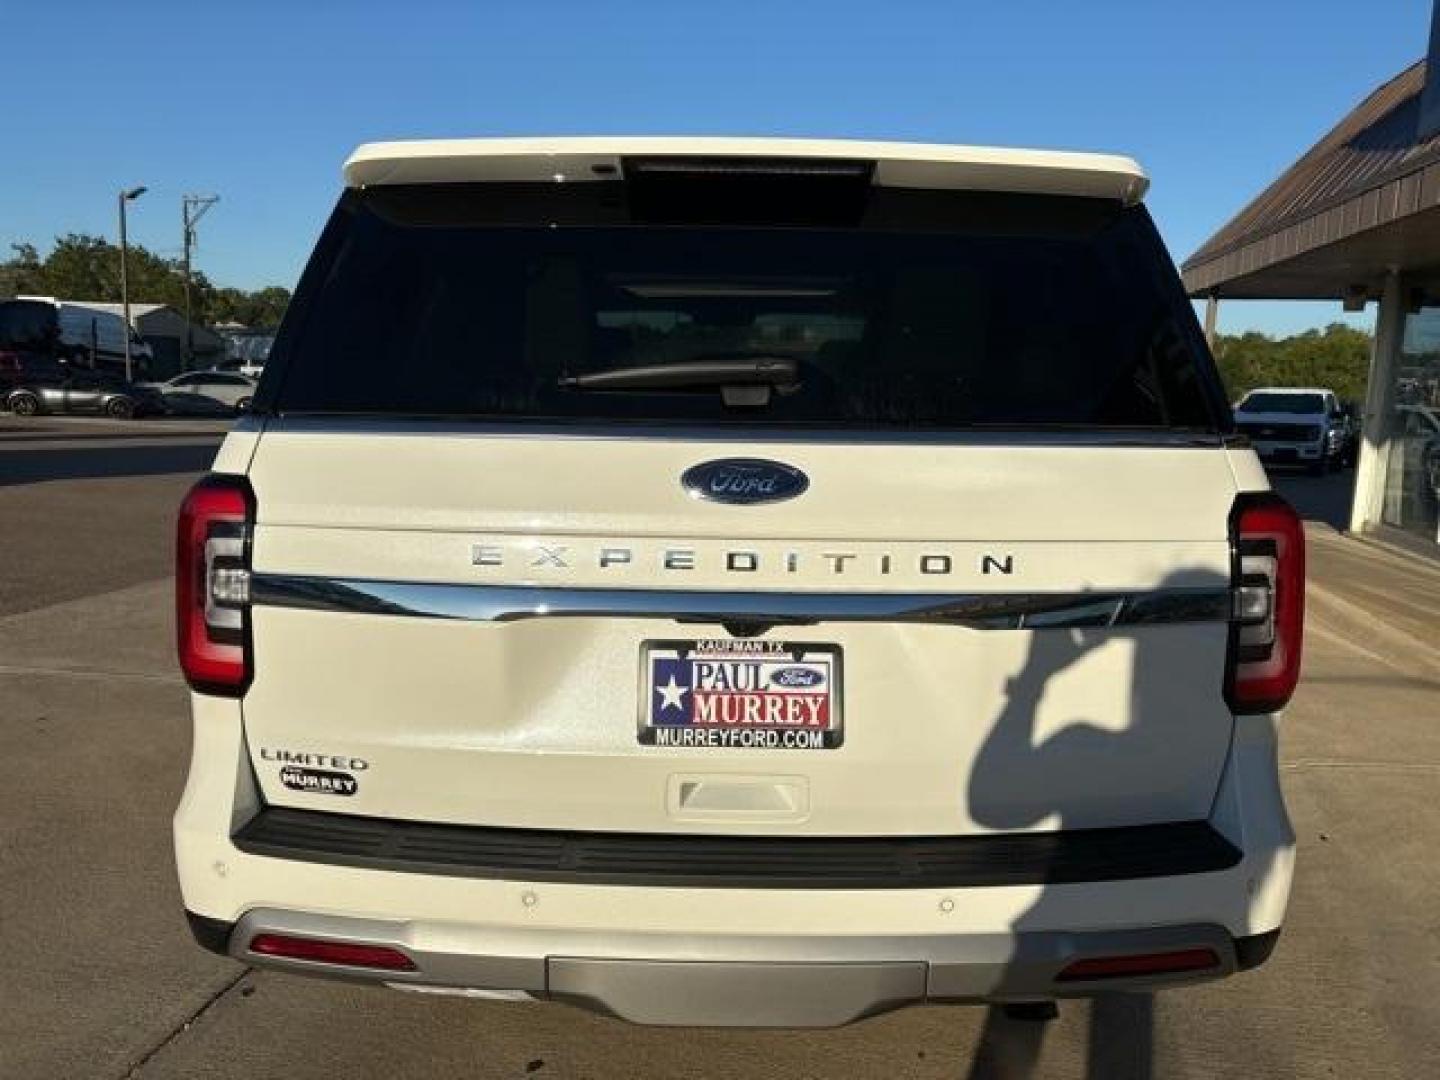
1369,500
1212,312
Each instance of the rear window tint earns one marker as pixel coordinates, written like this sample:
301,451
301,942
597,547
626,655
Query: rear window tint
929,310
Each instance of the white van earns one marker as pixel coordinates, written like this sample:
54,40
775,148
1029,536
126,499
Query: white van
95,334
738,582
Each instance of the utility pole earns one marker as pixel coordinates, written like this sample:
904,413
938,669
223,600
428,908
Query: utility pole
125,197
192,209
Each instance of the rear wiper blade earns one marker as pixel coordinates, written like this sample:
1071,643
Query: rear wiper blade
748,371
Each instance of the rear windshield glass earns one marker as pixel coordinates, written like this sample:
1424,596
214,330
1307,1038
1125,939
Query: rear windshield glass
929,310
1283,403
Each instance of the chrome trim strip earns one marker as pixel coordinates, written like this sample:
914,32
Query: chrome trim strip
507,603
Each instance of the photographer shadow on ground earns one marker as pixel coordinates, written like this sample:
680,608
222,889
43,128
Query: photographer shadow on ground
1041,766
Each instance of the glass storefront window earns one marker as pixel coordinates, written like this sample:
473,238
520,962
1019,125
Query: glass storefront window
1412,474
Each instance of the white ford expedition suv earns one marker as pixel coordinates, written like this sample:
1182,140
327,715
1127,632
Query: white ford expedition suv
738,582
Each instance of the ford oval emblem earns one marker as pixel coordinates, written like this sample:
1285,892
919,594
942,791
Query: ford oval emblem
798,678
744,480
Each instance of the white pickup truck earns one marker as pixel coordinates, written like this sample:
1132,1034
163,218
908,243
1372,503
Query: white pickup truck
1295,426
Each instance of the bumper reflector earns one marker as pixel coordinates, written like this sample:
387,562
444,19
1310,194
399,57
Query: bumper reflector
1117,967
345,953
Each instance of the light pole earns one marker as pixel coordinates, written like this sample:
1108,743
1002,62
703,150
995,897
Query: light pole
192,209
125,197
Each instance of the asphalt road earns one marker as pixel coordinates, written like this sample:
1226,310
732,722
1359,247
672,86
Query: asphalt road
100,979
87,506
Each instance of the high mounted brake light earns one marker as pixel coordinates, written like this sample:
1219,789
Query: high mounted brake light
737,191
748,166
212,585
1267,623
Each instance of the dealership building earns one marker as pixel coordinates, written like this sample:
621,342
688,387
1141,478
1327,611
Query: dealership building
1357,219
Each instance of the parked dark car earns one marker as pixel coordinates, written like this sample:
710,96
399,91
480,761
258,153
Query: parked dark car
72,390
21,365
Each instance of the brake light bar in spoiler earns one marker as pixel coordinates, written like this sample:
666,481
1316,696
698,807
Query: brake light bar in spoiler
889,164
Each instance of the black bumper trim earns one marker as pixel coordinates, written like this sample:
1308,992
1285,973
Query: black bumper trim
687,860
1251,952
212,934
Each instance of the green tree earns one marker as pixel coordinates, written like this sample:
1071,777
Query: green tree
1337,357
267,306
19,270
260,309
85,267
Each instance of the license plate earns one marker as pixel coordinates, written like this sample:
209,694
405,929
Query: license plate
740,694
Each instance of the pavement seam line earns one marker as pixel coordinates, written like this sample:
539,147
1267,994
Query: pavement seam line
1313,626
89,673
1398,558
1345,609
185,1025
1379,766
16,619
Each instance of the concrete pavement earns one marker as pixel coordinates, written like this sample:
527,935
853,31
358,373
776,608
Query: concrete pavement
101,979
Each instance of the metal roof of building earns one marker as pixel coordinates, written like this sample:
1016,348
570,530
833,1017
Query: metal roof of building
1369,171
897,164
107,306
136,310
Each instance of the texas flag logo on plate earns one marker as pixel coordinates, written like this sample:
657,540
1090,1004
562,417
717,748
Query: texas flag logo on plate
740,693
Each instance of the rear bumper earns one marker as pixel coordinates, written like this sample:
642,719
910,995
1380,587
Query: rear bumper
754,956
755,982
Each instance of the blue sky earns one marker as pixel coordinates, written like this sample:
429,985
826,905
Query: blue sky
261,102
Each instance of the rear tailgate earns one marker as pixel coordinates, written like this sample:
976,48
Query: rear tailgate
485,594
947,727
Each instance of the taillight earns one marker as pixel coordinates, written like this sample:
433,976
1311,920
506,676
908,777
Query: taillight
1269,610
212,585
